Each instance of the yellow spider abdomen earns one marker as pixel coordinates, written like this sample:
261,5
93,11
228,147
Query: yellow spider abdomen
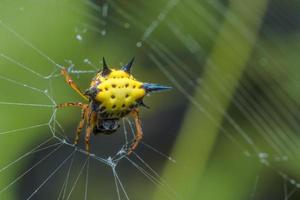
119,92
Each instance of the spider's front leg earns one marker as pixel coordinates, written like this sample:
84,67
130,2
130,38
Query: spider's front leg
84,116
70,81
138,133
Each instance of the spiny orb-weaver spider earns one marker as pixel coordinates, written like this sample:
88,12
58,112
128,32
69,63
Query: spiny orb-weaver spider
113,94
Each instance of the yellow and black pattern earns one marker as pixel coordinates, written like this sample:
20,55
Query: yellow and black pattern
118,93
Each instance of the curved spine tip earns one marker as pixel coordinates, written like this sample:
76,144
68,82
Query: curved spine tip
127,67
105,69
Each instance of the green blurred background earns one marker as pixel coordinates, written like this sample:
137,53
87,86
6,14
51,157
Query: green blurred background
231,122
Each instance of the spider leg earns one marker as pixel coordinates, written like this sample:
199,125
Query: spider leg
71,83
81,124
84,116
138,133
71,104
91,124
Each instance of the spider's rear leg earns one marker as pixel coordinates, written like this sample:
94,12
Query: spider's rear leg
138,133
91,123
81,123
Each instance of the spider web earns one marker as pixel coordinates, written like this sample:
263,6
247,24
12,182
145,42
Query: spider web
39,158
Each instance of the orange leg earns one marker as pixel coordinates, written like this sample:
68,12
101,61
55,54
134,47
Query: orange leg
91,124
81,124
71,83
138,133
84,116
72,104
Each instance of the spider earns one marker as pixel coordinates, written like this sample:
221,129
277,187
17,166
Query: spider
113,94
